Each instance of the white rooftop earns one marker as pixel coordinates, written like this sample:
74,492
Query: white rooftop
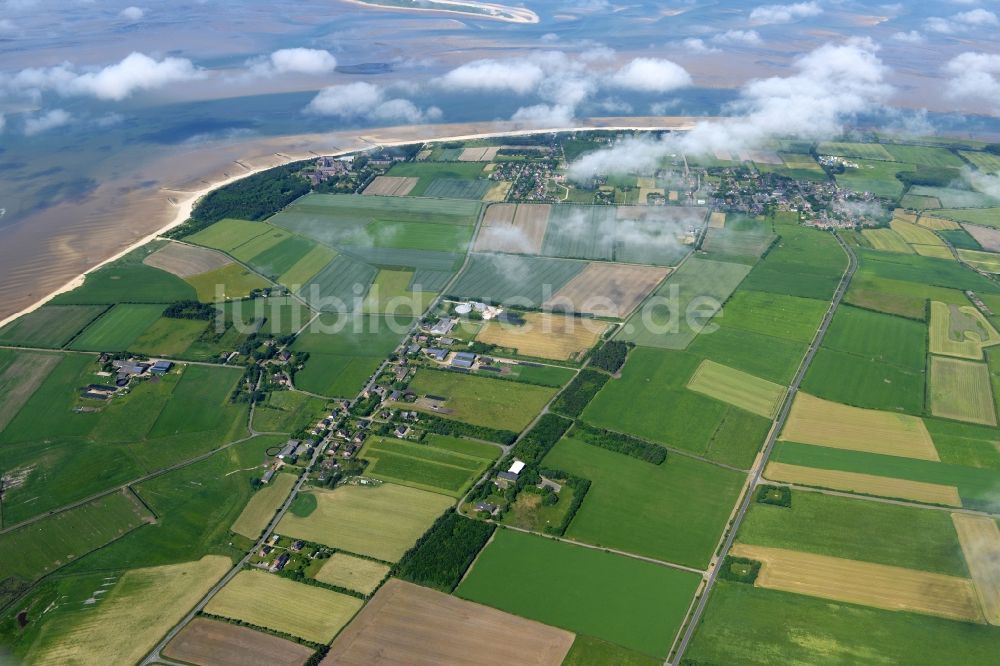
516,467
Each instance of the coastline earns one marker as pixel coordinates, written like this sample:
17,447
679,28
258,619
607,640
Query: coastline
184,200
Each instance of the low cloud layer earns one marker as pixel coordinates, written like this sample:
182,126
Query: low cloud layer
134,73
46,121
780,14
563,82
962,22
832,85
974,77
367,100
293,61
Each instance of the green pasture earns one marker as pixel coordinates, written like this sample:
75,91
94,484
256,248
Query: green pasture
118,328
50,326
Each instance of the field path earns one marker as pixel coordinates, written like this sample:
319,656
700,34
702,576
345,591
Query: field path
758,468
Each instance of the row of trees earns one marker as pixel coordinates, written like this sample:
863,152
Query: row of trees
611,356
619,443
442,555
452,428
578,394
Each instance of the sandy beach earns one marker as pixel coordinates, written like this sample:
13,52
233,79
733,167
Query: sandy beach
54,250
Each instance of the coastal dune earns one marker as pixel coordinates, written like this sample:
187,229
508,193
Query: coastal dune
50,251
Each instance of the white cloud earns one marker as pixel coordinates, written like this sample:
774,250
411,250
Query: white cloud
962,21
832,84
545,115
695,45
738,38
132,13
136,72
779,14
974,76
362,99
3,122
294,61
911,37
651,75
519,76
46,121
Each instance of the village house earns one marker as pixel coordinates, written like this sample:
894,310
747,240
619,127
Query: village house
289,449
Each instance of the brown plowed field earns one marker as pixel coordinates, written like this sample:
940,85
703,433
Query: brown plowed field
607,290
414,626
513,228
207,642
391,186
865,583
186,260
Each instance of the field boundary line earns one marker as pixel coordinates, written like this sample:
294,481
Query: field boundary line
884,500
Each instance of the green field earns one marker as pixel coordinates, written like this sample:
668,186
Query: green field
629,602
49,326
37,550
982,160
976,486
272,237
924,155
664,321
263,505
986,217
128,280
340,286
875,176
789,317
546,375
457,188
431,172
886,240
651,400
420,235
744,245
961,390
804,262
345,350
169,337
858,529
281,257
590,651
514,279
381,522
758,627
872,151
227,235
119,328
864,333
305,268
228,282
483,401
424,466
985,261
674,511
954,198
864,382
774,359
390,292
737,388
897,297
287,411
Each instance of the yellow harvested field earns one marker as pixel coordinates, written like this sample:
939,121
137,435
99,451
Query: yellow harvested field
915,234
825,423
717,220
352,573
553,336
980,539
868,484
937,223
498,191
408,625
904,215
514,228
984,261
886,240
260,510
866,583
267,600
960,330
381,522
391,186
935,251
207,642
141,607
607,290
961,390
737,388
186,260
478,154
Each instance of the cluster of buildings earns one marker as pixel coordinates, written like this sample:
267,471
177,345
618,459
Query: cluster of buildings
124,372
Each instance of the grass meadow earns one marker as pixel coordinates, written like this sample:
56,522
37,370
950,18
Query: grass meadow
118,328
262,506
50,326
423,466
674,511
514,279
757,627
858,529
632,603
483,401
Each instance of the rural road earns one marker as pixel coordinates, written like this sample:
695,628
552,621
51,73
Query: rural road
154,656
758,469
